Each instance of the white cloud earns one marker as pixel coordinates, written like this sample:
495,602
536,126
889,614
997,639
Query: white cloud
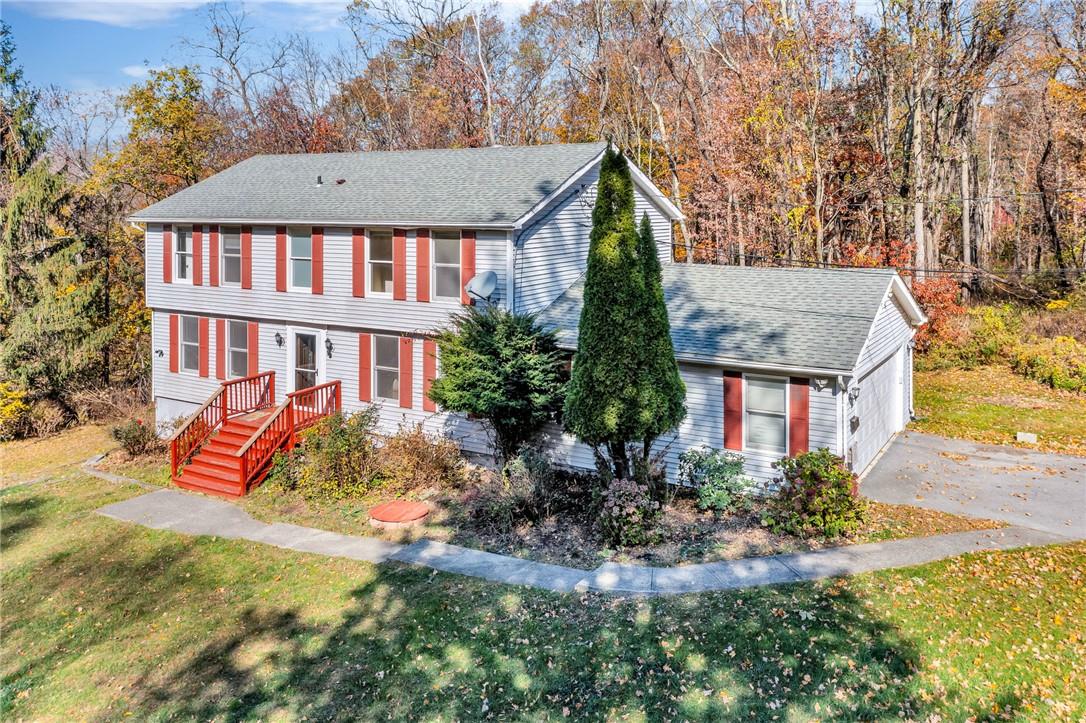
121,13
137,71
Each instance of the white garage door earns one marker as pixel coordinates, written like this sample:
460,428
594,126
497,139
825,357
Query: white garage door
879,409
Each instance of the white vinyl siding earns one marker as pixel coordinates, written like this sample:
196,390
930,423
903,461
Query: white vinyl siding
230,255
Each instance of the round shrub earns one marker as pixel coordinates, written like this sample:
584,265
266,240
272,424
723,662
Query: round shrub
137,438
817,497
628,513
718,477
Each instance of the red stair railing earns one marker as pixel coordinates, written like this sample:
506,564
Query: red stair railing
301,409
232,398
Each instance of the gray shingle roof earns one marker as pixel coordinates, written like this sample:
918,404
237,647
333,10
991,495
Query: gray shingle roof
432,187
743,316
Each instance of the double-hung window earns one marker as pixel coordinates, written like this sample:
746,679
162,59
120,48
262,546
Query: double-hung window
446,264
190,344
183,254
386,367
380,261
237,348
231,255
766,413
301,259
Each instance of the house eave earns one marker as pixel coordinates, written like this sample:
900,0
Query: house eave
335,222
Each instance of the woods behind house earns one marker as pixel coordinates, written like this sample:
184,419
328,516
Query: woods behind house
944,139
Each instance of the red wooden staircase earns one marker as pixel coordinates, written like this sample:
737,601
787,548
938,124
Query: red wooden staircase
227,446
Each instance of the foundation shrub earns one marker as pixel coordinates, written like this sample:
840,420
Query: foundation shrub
717,476
628,513
338,459
817,496
412,459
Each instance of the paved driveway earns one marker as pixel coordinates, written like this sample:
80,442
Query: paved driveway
1032,489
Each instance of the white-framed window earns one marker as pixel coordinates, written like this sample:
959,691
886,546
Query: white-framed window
301,258
190,344
765,423
446,264
182,255
386,367
237,349
379,261
231,254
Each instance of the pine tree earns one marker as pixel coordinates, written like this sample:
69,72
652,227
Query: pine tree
603,407
663,392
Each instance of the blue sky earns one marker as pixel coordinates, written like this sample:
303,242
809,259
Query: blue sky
89,45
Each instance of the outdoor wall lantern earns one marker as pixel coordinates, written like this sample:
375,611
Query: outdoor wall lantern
159,352
328,346
278,339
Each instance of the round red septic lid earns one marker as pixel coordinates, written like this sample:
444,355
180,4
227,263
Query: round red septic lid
399,512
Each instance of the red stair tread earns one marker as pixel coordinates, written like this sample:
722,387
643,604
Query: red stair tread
399,511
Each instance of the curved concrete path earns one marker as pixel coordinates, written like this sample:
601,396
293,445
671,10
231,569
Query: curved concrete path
184,512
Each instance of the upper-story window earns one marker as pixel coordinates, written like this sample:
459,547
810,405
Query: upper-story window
379,273
183,254
386,367
237,346
190,344
231,255
301,259
447,264
766,402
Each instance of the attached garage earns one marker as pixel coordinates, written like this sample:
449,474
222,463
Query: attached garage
778,361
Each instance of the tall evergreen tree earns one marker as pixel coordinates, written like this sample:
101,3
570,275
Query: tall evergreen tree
663,404
602,405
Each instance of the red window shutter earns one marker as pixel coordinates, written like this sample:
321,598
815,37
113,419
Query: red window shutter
205,346
365,368
246,257
213,254
467,263
280,258
422,264
358,262
406,365
429,373
399,264
167,254
197,255
799,415
175,322
220,348
253,350
733,410
318,259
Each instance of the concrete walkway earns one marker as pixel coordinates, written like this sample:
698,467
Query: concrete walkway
168,509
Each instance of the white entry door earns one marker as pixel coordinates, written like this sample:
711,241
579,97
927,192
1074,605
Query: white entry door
306,361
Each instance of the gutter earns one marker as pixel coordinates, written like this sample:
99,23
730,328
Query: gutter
339,223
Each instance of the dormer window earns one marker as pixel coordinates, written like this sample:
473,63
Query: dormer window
183,254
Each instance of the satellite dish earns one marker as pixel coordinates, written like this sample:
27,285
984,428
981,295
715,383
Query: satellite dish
482,286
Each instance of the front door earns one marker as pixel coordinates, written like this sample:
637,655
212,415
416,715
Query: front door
306,360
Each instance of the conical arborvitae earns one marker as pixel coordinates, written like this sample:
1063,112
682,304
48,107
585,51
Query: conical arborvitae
663,392
603,404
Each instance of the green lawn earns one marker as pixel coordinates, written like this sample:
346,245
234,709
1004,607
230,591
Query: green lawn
991,404
106,620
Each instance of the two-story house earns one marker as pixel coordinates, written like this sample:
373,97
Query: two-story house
330,273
